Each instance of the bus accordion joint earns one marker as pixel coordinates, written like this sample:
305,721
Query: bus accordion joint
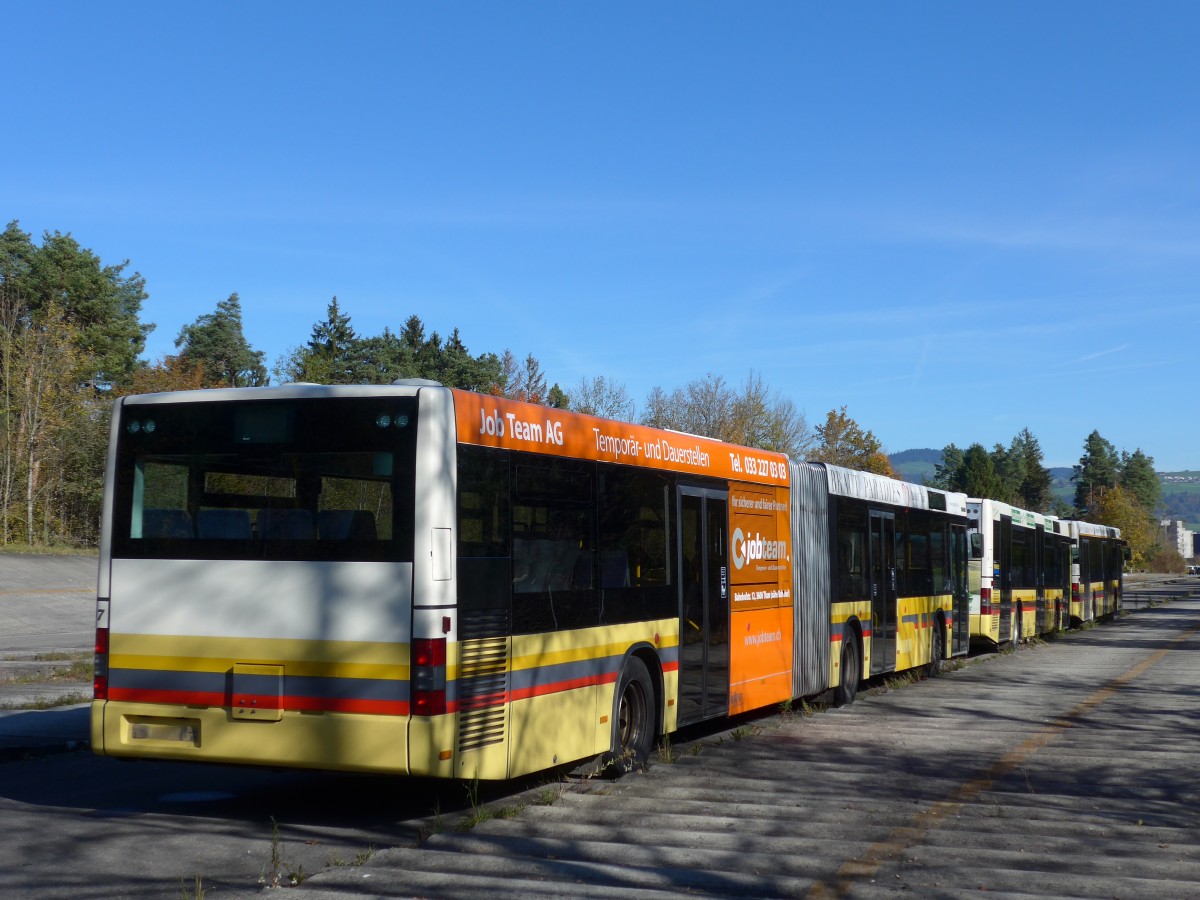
429,676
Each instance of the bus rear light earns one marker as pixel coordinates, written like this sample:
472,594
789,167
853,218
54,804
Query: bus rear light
428,679
100,668
985,601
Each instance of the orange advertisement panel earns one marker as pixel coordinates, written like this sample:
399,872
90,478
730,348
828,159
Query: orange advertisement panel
509,424
760,658
760,557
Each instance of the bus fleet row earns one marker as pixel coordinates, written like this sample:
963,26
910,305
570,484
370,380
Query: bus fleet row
369,578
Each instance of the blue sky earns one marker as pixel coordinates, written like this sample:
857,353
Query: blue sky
956,219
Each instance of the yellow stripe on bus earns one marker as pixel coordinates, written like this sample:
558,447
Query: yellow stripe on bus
333,659
532,651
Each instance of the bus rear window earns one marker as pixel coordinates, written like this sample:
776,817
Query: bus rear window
320,479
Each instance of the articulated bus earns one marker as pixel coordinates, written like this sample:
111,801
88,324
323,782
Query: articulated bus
426,581
1019,571
1098,556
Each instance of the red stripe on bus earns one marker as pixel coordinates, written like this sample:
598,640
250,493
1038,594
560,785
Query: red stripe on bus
543,690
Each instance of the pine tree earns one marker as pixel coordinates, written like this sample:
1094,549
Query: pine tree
1138,477
1033,479
1098,471
215,341
979,478
947,474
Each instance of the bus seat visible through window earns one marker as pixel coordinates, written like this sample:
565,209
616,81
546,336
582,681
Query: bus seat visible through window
224,524
614,569
346,525
166,523
285,525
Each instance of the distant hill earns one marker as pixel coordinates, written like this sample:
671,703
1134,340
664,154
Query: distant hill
924,455
916,466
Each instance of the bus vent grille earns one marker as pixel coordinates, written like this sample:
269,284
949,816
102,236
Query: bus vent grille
482,679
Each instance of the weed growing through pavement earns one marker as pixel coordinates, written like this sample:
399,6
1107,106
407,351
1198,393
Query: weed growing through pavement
279,874
664,751
479,813
548,795
337,862
195,892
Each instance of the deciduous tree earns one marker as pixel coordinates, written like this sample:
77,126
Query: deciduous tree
842,441
1120,508
604,397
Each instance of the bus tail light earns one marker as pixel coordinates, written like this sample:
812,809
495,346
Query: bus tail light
985,601
100,668
428,682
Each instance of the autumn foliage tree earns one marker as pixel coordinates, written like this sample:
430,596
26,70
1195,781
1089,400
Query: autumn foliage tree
69,332
842,442
751,415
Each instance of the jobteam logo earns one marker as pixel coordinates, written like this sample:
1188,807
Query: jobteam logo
746,550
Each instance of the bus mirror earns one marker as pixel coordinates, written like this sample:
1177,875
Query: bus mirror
1127,553
976,545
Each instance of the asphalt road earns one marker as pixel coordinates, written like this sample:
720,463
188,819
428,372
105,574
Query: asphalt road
1065,769
47,602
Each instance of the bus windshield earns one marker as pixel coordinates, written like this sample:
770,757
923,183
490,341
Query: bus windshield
279,479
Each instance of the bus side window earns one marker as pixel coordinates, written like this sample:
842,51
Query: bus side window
851,551
485,558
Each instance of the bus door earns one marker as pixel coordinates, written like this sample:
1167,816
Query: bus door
1039,577
1085,578
883,591
704,598
1064,576
1002,548
961,632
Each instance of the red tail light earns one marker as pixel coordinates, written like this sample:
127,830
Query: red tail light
985,601
428,677
100,667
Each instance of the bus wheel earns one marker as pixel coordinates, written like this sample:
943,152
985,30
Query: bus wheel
847,690
633,720
937,652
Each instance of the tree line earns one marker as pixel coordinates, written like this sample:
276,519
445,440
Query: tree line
1121,490
72,337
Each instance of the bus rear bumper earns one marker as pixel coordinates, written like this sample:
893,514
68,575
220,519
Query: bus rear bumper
327,740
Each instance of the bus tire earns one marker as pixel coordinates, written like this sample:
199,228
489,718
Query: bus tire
937,649
633,720
847,689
